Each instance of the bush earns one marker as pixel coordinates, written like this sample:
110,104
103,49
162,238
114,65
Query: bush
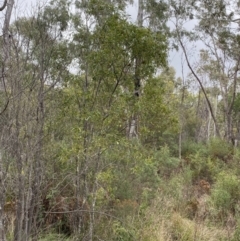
226,193
204,167
218,148
191,148
122,233
166,163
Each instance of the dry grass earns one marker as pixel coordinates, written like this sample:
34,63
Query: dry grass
167,224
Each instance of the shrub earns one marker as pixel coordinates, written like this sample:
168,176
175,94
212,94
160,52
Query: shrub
166,163
204,167
122,233
218,148
191,148
226,193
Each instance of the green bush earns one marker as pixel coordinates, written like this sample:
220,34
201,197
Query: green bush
226,193
122,233
235,161
166,163
191,148
218,148
204,167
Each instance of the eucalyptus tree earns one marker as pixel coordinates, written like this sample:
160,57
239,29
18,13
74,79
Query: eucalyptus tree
221,37
152,15
216,28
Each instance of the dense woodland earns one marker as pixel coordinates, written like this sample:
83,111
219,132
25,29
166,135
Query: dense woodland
100,140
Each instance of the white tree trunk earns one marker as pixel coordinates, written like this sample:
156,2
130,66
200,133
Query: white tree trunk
132,129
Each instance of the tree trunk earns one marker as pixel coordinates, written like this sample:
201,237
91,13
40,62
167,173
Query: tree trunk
8,5
2,200
6,36
140,13
200,83
134,122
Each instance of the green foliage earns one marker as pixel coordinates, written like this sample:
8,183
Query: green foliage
117,37
131,171
53,237
167,164
191,148
159,123
218,148
236,104
123,234
204,167
226,193
57,14
206,159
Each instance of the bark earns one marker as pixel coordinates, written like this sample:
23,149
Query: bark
2,201
6,35
229,113
5,53
16,152
134,122
140,13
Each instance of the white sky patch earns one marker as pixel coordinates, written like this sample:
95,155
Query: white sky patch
132,11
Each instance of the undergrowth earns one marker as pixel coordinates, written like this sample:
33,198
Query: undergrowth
196,198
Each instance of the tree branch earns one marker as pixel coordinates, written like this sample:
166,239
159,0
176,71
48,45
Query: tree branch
200,83
3,6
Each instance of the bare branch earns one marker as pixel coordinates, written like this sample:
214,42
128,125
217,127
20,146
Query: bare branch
200,83
3,6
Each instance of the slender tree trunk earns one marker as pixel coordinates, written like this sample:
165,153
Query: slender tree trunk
2,200
140,13
16,150
134,121
229,128
181,123
216,109
229,109
200,83
209,126
5,54
38,169
6,34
